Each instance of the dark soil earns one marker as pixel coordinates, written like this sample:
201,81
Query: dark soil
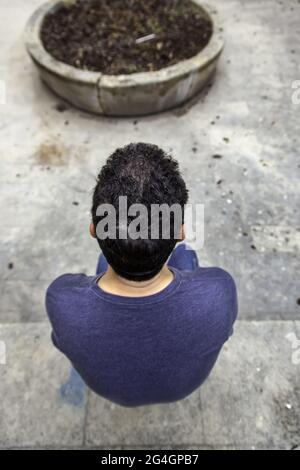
125,36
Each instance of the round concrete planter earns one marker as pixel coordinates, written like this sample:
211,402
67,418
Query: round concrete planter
124,95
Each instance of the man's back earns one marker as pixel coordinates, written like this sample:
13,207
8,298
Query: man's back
143,350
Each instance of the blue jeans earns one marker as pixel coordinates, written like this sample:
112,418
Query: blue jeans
181,258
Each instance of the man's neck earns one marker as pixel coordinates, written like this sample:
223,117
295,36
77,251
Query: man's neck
113,284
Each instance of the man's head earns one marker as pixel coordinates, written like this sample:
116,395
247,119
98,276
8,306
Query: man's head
144,174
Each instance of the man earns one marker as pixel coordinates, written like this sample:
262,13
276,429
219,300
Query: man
149,327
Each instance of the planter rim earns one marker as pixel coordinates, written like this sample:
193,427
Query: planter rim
39,54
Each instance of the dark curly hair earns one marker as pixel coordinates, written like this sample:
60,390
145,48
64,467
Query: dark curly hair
146,175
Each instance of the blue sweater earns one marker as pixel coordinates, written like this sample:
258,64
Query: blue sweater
143,350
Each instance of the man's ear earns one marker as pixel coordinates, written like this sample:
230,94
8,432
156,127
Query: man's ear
182,234
92,230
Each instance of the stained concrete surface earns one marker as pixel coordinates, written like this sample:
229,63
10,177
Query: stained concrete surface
49,161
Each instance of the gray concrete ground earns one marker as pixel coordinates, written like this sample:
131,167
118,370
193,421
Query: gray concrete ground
49,160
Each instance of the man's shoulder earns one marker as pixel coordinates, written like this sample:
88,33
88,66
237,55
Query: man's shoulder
68,282
67,294
211,292
212,277
213,287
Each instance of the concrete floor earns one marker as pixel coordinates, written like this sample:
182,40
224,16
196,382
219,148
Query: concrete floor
49,160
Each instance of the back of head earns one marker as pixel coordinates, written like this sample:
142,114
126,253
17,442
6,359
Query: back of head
142,174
